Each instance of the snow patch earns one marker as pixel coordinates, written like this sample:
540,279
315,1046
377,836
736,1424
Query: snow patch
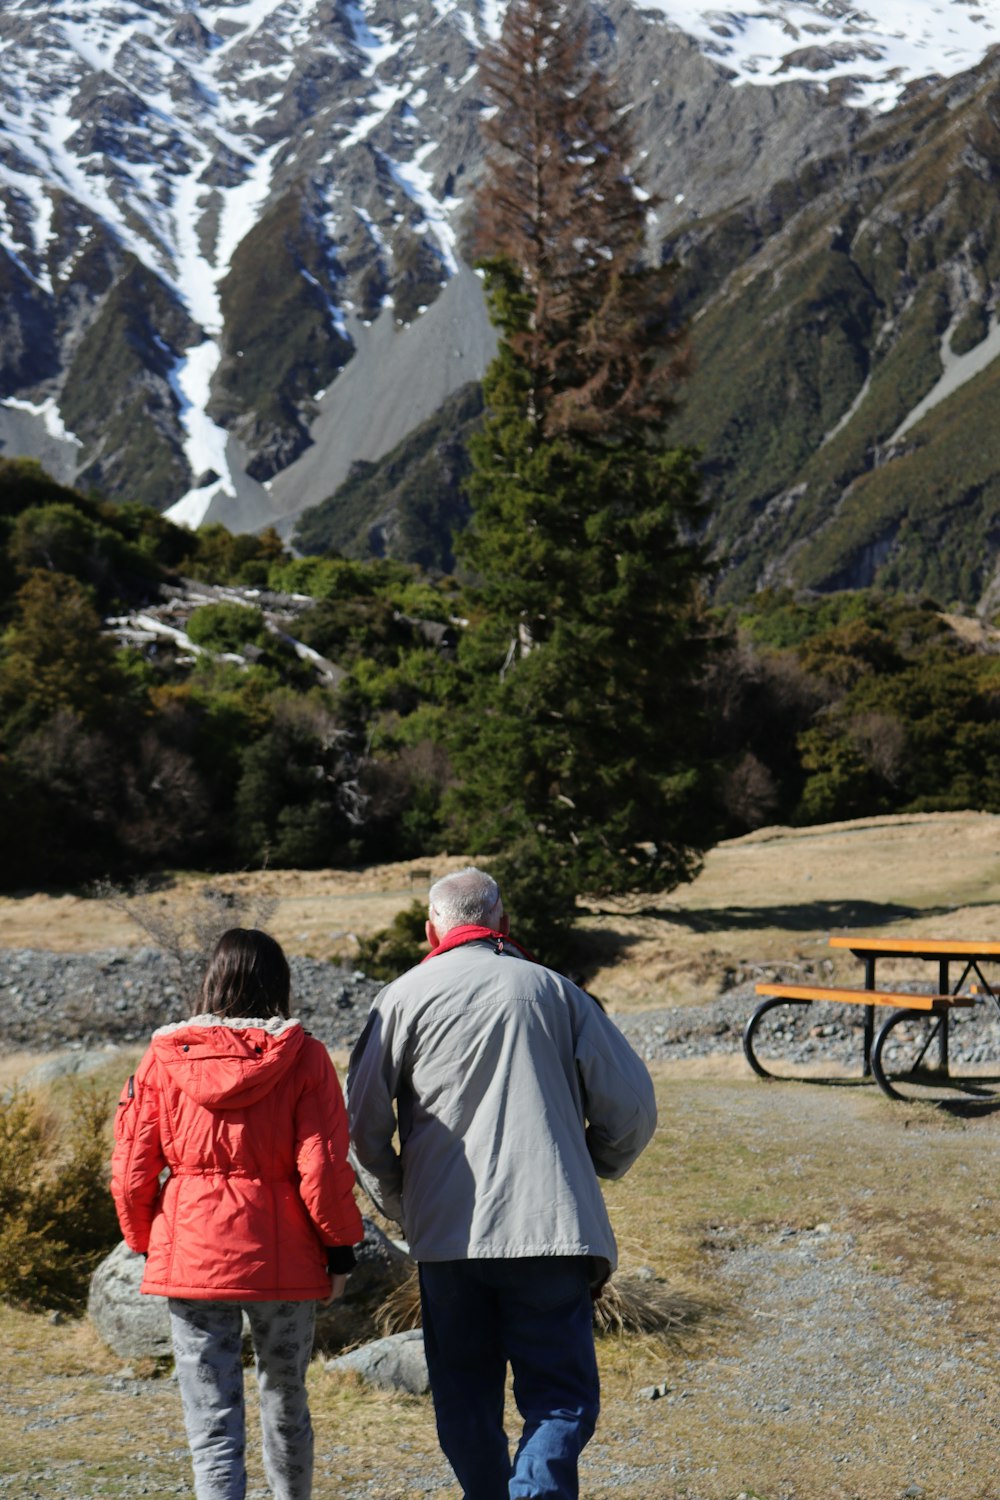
958,369
205,442
884,49
416,184
50,415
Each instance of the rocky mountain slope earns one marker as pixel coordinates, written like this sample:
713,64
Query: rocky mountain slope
848,377
232,233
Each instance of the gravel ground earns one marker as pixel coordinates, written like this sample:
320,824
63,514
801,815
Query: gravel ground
60,1000
857,1361
836,1349
88,1000
116,997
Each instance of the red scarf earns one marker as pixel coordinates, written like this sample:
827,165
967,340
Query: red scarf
471,933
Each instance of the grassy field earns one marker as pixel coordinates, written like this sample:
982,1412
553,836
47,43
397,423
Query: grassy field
774,895
836,1252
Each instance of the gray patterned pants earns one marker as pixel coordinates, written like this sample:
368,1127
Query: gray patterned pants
208,1348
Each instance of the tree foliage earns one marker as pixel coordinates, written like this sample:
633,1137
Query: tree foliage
576,759
115,761
851,705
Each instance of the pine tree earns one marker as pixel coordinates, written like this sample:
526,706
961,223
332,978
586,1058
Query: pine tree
578,761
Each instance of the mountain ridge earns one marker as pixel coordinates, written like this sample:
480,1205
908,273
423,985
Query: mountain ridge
333,147
840,340
230,232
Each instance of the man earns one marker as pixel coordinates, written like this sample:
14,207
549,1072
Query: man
514,1092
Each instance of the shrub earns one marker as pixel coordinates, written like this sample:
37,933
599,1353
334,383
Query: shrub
57,1218
227,627
389,953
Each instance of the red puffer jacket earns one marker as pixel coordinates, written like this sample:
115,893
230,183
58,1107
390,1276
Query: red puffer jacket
249,1118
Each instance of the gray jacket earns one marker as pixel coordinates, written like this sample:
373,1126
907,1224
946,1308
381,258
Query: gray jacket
514,1093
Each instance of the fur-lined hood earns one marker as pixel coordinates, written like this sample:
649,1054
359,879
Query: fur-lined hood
232,1062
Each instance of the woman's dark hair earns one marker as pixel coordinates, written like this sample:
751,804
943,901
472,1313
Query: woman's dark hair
247,975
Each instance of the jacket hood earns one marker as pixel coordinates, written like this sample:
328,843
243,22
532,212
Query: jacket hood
227,1063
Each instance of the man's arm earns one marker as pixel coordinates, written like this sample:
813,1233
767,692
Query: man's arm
619,1101
372,1081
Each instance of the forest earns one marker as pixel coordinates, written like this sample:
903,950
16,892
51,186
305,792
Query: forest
117,761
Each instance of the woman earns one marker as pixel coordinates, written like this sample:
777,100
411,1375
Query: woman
256,1213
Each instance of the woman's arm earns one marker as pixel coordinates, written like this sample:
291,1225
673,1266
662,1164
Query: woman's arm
138,1158
326,1180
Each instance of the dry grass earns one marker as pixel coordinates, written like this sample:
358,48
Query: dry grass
641,1305
628,1305
771,897
316,912
736,1165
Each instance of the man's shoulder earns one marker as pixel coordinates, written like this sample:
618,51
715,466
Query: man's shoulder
473,963
473,967
412,982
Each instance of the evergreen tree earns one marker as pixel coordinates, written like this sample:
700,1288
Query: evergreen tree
578,762
53,656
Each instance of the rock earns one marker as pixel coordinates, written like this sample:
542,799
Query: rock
93,1001
69,1065
137,1326
396,1363
382,1266
654,1392
134,1326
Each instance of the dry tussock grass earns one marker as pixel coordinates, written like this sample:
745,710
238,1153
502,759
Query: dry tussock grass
627,1305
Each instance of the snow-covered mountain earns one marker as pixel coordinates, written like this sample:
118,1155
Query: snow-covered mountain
231,234
872,55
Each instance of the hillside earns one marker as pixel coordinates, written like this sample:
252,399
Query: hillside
847,370
225,231
846,360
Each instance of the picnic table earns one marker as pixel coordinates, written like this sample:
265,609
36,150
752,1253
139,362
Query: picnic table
910,1053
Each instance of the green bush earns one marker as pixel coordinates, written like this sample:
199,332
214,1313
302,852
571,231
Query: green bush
227,627
57,1218
389,953
220,556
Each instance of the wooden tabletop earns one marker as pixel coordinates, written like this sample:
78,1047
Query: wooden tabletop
918,947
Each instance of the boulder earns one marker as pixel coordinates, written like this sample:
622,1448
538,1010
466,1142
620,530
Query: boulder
69,1065
396,1363
138,1327
134,1326
382,1266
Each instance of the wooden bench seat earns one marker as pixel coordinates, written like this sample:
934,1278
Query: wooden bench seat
777,994
895,998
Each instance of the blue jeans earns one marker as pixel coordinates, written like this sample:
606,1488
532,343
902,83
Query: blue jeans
534,1313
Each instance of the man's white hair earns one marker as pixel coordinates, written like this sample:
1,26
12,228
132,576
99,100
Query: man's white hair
468,896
